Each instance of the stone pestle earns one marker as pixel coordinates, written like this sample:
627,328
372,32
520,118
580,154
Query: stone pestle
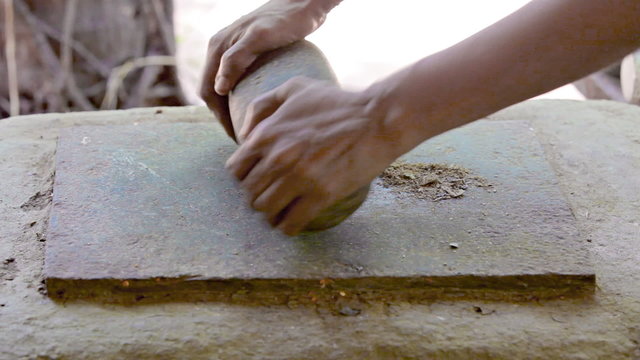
272,69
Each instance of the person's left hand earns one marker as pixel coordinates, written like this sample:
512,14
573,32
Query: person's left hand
306,145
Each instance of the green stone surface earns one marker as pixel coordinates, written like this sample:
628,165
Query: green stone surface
148,211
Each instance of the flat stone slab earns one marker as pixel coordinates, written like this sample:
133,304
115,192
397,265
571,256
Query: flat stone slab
147,213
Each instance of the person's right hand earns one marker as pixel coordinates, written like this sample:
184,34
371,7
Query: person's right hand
232,50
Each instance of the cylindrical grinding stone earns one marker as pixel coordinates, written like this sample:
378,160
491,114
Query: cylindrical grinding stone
268,72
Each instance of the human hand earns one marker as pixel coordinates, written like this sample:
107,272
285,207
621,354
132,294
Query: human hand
232,50
306,145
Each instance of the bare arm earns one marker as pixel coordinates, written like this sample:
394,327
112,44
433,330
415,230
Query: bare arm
546,44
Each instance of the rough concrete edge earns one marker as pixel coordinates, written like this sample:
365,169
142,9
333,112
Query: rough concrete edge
50,124
282,291
188,111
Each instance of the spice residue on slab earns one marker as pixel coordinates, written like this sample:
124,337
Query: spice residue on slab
430,181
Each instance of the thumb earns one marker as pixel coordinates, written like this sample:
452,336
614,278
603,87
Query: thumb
233,64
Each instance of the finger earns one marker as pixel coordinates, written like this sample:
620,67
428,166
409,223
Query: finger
242,162
259,179
233,64
215,49
263,174
299,214
250,153
261,108
219,105
267,104
277,196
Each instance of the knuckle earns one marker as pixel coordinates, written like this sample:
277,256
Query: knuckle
215,41
281,159
259,102
233,57
287,154
253,108
253,33
232,60
258,32
227,59
256,107
257,138
296,81
263,135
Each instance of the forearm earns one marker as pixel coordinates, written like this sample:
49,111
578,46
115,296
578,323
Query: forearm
545,44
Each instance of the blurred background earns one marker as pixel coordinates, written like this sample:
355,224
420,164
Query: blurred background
364,40
73,55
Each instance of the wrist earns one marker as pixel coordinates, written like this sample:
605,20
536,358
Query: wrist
430,97
403,120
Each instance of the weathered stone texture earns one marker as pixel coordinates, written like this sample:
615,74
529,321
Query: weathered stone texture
594,147
152,205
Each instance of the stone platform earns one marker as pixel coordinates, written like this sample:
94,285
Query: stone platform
593,148
147,213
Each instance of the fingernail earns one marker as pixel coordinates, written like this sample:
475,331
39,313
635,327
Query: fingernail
222,86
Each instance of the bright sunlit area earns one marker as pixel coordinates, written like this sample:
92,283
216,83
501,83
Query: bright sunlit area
364,40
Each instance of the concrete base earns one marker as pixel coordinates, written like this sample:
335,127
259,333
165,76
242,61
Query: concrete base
594,147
